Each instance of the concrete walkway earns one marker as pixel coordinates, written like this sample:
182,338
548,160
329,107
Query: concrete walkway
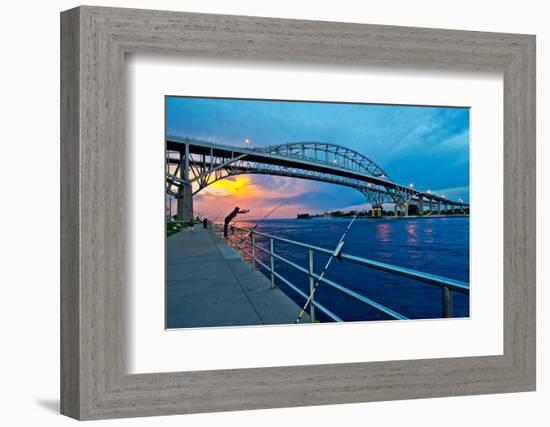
209,284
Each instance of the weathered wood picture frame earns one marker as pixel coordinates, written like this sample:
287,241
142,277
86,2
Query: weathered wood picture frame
94,382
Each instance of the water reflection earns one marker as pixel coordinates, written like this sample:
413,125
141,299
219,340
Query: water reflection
412,236
383,232
428,234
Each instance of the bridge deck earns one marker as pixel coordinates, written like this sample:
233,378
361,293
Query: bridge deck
209,284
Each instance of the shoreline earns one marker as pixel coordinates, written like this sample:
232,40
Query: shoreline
382,217
349,217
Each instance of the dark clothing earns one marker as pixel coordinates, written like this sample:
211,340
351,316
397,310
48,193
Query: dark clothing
227,220
204,223
232,215
225,225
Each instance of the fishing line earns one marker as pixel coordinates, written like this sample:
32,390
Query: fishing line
261,220
335,254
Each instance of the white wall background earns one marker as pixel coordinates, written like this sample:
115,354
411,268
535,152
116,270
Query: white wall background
29,214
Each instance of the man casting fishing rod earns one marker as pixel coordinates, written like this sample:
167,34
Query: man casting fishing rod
230,217
272,211
262,220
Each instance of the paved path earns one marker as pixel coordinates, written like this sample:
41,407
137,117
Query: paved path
208,284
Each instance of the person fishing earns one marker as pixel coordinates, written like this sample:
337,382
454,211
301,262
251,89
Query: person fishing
246,235
230,217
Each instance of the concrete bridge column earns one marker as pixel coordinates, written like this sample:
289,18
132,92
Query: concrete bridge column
421,205
439,208
184,200
431,207
405,209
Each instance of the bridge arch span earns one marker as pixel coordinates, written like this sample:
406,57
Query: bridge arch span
329,154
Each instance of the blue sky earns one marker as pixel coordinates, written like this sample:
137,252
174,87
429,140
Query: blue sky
427,146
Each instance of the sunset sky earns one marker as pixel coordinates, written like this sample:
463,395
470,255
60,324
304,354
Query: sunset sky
426,146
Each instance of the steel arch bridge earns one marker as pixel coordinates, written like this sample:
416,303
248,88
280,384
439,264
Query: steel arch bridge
192,165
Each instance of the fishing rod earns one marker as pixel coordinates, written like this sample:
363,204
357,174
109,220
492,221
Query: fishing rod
261,220
335,254
270,213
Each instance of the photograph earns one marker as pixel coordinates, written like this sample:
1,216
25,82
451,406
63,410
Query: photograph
286,212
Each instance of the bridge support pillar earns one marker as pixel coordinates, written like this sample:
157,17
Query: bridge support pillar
405,209
184,201
439,208
421,205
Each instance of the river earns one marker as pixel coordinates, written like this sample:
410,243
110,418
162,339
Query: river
431,245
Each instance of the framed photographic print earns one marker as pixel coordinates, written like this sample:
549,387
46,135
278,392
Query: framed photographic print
301,195
262,213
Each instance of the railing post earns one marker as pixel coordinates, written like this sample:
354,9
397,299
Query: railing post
271,252
447,301
311,284
237,243
253,250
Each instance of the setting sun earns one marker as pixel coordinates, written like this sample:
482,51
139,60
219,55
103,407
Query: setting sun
241,187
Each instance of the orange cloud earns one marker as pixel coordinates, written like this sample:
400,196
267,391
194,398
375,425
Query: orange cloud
250,192
239,187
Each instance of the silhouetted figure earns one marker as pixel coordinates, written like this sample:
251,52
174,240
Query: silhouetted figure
205,223
230,217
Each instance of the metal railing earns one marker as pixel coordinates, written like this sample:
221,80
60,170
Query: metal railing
244,240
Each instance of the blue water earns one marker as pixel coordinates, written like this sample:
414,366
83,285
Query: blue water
432,245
